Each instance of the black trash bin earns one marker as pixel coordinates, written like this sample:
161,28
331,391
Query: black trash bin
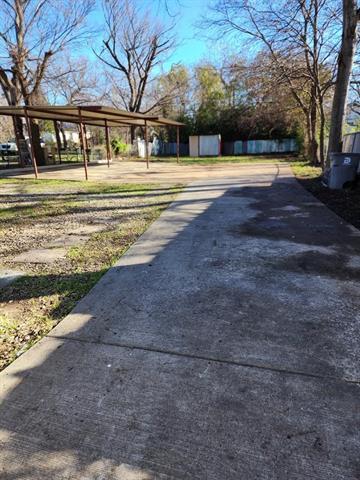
343,169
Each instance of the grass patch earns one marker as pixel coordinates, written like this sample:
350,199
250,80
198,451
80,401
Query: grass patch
28,185
305,170
35,303
224,159
49,198
18,337
27,182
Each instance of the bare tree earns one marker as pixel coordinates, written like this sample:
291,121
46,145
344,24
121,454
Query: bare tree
74,81
268,104
135,45
6,127
301,37
354,93
32,33
351,17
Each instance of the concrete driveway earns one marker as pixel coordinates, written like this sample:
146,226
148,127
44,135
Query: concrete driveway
223,345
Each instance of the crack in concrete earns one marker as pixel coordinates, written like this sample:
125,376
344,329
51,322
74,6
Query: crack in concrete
209,359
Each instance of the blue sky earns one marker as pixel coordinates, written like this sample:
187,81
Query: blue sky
192,46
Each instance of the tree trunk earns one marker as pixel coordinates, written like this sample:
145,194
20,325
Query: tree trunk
307,136
314,146
322,142
322,133
313,150
345,62
35,139
64,142
19,135
58,140
132,134
57,134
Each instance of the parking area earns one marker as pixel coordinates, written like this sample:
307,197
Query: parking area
223,345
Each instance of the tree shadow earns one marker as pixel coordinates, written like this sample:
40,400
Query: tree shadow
202,354
70,288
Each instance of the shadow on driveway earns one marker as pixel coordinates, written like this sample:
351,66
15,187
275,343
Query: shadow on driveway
223,345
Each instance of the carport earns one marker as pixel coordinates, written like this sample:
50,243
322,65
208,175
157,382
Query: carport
93,115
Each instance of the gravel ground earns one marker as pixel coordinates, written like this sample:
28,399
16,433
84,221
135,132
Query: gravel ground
31,220
95,224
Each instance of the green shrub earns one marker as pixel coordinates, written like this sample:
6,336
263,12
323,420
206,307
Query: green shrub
119,147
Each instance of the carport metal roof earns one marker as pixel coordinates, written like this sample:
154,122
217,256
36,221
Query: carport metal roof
88,114
95,115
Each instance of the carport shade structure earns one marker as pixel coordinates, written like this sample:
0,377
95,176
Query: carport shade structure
95,115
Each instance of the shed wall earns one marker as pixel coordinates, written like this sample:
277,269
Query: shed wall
194,145
210,145
351,143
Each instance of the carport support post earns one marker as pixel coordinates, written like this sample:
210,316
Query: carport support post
146,145
108,151
32,149
86,144
177,144
83,144
128,151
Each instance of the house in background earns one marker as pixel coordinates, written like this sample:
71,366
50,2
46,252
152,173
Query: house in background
72,136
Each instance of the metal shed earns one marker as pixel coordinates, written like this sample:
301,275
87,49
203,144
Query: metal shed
351,143
205,145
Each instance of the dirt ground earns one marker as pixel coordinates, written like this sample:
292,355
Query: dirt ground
63,233
62,236
136,171
345,203
224,346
